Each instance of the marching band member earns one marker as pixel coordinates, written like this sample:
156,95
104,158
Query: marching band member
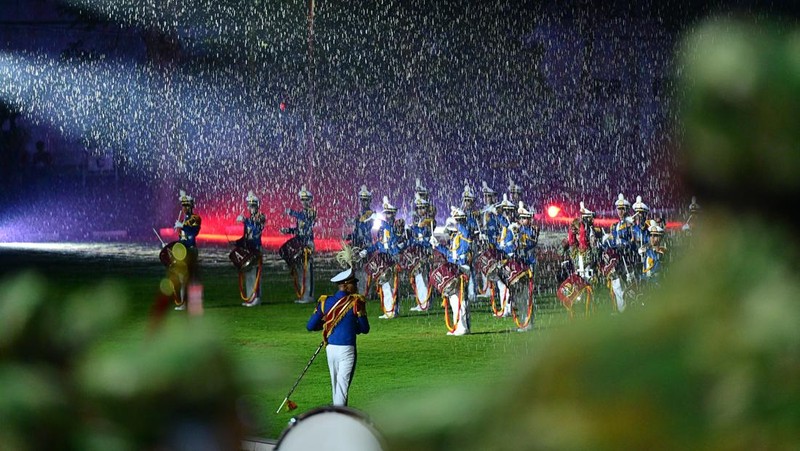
341,317
423,193
620,242
653,253
458,253
514,192
583,241
489,225
421,232
694,213
303,270
386,243
187,228
640,217
251,240
527,239
507,245
473,229
361,237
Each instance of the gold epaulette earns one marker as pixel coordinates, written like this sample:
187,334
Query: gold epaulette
367,214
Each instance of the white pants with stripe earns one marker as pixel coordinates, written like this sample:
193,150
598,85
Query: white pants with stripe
342,365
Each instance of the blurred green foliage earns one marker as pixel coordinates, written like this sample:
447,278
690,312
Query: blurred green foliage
61,389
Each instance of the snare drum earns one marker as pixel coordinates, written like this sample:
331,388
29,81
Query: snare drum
291,251
170,254
570,289
243,258
514,271
331,428
378,264
444,277
411,258
488,263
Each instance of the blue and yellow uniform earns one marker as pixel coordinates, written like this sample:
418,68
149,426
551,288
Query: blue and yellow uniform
458,251
303,269
341,318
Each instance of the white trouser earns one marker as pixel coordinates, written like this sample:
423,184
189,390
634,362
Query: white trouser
342,365
250,276
421,283
308,284
616,285
387,292
504,296
460,314
361,275
519,296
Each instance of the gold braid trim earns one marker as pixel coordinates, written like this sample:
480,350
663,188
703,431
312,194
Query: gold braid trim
335,315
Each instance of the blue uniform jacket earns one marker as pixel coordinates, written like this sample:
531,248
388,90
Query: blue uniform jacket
253,228
305,224
458,252
190,230
362,232
386,241
353,323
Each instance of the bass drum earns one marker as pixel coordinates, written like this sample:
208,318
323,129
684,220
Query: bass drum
243,258
291,251
444,277
171,253
378,264
332,428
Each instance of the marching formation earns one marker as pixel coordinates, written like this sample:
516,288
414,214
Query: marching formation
488,251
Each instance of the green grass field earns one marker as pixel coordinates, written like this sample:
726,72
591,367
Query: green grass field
403,358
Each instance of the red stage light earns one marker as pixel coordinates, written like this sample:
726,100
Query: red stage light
553,211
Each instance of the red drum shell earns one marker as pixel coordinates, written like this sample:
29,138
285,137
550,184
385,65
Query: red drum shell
166,254
570,289
242,258
444,276
488,262
291,250
378,264
514,271
411,258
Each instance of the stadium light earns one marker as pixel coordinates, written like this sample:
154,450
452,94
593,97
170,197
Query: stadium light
553,211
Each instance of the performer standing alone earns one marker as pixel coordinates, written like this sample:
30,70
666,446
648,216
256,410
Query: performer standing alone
251,242
341,317
303,268
187,227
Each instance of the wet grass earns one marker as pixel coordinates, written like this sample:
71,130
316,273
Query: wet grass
405,357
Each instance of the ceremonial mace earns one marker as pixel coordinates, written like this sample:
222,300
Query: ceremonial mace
292,405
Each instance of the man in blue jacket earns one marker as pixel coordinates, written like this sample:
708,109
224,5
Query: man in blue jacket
341,317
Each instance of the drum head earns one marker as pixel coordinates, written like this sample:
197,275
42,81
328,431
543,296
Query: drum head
330,428
179,251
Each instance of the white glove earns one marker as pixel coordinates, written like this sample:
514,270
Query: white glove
686,227
483,237
420,236
178,225
510,255
642,250
240,218
464,268
434,242
363,253
607,237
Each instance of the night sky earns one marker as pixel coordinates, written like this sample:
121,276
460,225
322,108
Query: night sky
573,101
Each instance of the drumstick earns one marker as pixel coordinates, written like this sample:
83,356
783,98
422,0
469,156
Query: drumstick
159,237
